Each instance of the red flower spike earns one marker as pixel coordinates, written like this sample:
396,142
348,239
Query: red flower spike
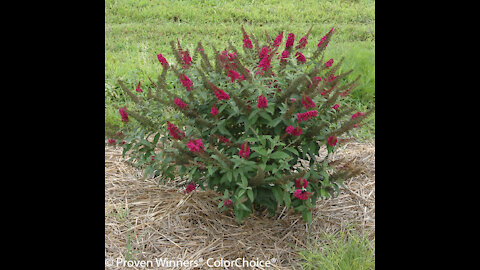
195,145
124,114
324,38
308,102
180,103
175,132
302,194
294,131
300,57
186,82
264,64
219,93
316,81
264,52
214,110
222,139
355,116
284,56
290,40
278,40
162,60
301,183
306,116
191,187
329,63
302,43
262,102
332,140
138,89
234,75
187,60
244,151
247,43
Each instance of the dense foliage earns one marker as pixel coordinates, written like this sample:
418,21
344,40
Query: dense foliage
248,125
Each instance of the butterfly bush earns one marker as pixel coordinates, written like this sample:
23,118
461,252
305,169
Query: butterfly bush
250,124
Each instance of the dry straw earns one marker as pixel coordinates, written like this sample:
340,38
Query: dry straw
145,220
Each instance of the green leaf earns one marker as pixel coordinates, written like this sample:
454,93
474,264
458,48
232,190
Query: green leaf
229,176
244,208
211,170
277,192
263,140
192,173
307,216
258,149
224,179
244,181
252,116
145,142
250,195
313,146
241,193
323,193
330,148
272,168
222,107
126,148
270,178
286,199
222,129
276,121
300,208
265,116
238,216
155,140
271,107
279,155
293,150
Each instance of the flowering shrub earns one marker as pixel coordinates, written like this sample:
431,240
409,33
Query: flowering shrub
248,125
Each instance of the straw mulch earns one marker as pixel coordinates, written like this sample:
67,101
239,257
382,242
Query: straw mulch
145,220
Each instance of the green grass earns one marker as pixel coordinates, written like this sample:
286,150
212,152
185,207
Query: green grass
343,251
137,30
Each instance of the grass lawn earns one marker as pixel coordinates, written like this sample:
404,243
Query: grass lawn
137,30
344,250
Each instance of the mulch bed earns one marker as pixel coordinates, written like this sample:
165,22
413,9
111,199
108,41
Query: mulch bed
145,220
